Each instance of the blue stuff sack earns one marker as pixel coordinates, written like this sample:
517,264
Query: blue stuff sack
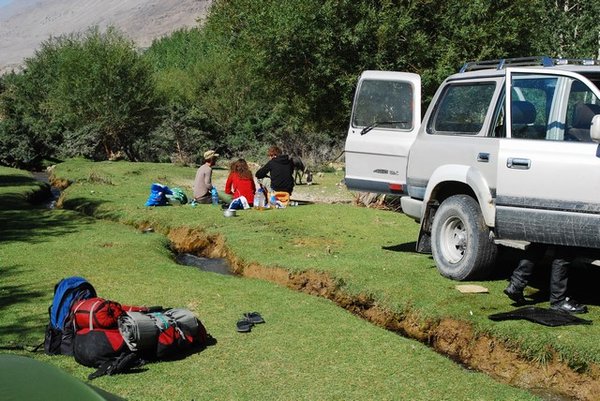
158,195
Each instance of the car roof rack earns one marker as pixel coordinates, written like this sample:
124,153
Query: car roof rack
544,61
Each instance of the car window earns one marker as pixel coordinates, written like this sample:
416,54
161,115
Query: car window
388,104
462,108
538,111
531,102
582,105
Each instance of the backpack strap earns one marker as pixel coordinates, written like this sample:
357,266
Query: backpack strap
122,363
92,309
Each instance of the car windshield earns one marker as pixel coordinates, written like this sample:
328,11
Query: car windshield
385,104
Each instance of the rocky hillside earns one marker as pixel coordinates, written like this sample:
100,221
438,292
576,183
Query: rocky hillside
24,24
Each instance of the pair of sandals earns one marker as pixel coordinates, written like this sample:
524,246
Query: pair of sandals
250,319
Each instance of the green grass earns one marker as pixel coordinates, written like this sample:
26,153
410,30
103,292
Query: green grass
309,349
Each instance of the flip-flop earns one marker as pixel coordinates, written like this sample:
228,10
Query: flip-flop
254,317
244,325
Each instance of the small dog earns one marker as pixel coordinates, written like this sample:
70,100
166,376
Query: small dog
298,169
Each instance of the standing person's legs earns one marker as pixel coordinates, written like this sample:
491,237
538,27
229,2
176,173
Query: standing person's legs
522,274
559,278
518,281
559,283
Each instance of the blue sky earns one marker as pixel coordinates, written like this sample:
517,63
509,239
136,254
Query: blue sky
5,2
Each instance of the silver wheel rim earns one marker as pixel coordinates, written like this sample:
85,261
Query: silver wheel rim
453,240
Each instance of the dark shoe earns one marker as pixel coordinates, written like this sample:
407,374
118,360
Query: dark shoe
515,294
254,317
244,326
570,306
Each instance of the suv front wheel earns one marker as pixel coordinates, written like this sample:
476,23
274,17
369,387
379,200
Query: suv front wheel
460,240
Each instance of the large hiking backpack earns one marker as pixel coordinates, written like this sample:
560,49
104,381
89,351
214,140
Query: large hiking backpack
59,332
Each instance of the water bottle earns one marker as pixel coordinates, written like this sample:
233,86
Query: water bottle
259,199
273,200
214,196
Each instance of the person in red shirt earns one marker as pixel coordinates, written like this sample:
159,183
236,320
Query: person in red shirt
240,181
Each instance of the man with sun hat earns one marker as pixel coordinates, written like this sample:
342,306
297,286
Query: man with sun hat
203,180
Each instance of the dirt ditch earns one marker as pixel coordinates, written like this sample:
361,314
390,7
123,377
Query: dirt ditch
455,339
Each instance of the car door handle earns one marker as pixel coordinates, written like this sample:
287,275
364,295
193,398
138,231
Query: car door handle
518,163
483,157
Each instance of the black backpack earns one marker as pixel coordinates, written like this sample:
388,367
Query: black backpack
59,332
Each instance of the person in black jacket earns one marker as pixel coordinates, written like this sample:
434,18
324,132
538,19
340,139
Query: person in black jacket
281,170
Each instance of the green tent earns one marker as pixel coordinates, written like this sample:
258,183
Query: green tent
24,379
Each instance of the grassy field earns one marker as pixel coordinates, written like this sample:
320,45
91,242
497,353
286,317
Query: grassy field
368,251
309,348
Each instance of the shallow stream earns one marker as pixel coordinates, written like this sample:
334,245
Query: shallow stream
216,265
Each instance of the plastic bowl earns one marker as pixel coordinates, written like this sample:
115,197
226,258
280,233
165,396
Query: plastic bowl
229,213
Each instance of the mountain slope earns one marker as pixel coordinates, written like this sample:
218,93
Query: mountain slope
25,24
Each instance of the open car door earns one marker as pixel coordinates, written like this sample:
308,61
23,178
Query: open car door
386,117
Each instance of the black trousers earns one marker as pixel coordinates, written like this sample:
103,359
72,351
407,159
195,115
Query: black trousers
559,274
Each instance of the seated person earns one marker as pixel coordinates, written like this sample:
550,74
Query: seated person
281,170
203,180
240,181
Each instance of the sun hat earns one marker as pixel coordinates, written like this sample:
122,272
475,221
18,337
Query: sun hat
210,153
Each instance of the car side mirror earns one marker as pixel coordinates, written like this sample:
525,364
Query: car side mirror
595,128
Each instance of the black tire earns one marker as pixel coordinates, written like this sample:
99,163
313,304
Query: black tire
460,240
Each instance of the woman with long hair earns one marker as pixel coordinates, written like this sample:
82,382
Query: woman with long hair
240,181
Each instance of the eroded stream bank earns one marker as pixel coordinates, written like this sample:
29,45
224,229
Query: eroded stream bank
554,380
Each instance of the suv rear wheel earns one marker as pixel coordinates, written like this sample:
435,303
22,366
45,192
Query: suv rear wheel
460,240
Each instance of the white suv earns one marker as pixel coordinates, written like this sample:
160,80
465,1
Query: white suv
506,154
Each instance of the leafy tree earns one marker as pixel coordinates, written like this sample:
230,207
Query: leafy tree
103,94
88,94
178,138
570,28
26,137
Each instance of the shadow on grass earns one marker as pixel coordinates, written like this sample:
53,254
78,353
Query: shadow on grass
14,294
16,180
11,294
36,191
88,207
582,286
408,247
182,353
35,225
